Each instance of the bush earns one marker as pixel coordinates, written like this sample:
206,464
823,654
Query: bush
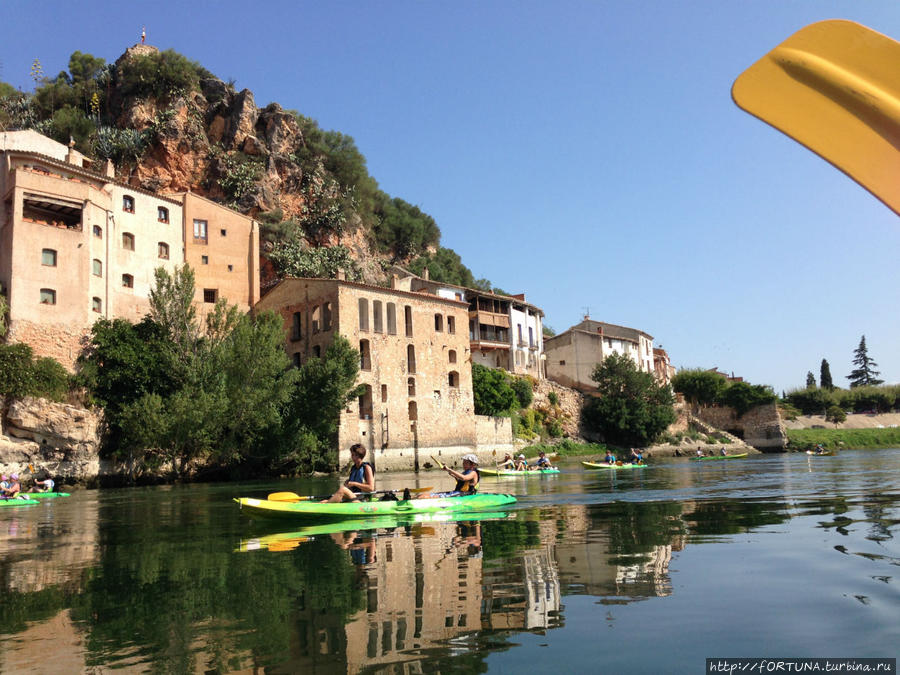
699,387
491,390
811,401
162,75
553,398
522,386
835,414
21,375
742,396
872,399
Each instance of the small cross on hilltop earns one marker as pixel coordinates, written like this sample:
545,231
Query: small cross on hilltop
143,34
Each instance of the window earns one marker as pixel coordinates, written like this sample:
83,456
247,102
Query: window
128,241
297,326
407,316
98,231
451,324
127,281
317,351
391,318
384,393
48,257
411,386
231,268
365,403
530,336
376,316
48,296
326,316
296,359
97,268
454,379
210,295
413,411
410,359
200,227
128,204
451,356
438,323
562,363
519,327
316,319
204,260
162,214
224,232
162,249
363,314
365,355
97,305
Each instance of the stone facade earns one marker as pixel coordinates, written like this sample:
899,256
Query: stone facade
76,246
415,367
761,427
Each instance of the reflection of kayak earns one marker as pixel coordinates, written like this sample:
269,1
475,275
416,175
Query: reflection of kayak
18,502
284,541
47,495
604,465
512,472
827,453
704,458
319,511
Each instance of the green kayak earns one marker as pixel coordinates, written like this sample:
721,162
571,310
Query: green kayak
617,465
47,495
709,457
284,541
310,510
18,502
518,474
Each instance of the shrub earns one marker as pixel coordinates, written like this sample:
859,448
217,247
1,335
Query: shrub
742,396
553,398
699,387
21,375
811,401
162,75
835,414
522,386
491,391
876,399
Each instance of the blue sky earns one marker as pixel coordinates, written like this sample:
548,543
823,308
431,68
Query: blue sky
585,153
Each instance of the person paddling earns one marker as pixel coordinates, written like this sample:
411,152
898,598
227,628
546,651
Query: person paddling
521,464
361,480
636,457
542,461
467,479
507,463
610,457
45,485
13,488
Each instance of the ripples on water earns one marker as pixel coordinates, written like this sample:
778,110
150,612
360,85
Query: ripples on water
642,571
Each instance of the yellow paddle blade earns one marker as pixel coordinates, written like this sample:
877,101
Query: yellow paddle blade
287,497
834,87
437,462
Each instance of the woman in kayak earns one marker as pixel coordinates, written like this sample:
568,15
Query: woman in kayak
361,480
467,479
13,488
521,464
507,463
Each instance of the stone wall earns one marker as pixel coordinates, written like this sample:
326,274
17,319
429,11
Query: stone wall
568,409
761,427
493,436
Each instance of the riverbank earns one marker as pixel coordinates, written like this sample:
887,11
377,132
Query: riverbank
685,449
843,439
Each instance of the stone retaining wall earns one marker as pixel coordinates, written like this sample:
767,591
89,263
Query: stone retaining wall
761,427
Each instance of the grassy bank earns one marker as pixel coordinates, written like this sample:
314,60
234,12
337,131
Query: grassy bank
570,449
846,439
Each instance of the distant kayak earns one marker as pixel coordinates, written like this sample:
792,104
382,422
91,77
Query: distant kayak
513,472
47,495
311,510
617,465
705,457
827,453
18,502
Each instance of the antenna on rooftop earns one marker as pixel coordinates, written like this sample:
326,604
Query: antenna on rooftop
587,312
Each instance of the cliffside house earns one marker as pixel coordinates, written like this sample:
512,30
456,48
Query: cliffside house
415,367
505,331
573,355
77,245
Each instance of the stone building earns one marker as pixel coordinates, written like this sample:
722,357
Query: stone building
77,245
505,331
572,356
415,367
662,366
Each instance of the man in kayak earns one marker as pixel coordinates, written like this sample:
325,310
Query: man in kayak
610,457
636,457
4,484
45,485
542,461
361,480
467,479
723,451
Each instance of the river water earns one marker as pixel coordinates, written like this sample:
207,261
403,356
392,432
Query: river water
644,571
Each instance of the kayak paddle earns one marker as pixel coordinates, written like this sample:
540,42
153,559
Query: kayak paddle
442,466
294,497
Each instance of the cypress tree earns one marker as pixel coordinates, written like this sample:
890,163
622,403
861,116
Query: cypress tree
864,373
825,376
810,380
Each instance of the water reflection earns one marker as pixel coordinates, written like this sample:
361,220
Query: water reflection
178,580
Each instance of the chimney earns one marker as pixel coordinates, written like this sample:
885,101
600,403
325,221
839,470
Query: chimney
341,275
110,169
425,274
72,157
394,281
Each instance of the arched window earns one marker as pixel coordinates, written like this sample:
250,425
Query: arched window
127,281
316,319
128,241
48,257
162,250
411,386
365,403
391,318
438,323
97,267
413,411
326,316
384,393
297,326
451,356
98,231
97,305
407,315
365,355
48,296
317,351
451,324
363,314
410,359
128,204
376,316
162,214
453,379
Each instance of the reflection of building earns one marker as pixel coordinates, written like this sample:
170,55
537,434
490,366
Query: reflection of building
573,355
527,597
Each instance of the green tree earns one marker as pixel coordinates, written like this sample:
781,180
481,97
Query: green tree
524,390
632,407
742,396
864,375
444,266
825,376
492,392
548,331
810,380
699,386
835,414
172,308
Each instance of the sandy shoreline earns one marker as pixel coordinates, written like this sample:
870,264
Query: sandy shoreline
854,421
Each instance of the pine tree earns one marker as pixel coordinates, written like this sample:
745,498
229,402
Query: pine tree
825,376
810,380
864,373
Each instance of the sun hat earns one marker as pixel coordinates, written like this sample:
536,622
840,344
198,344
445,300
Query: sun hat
521,456
470,458
4,477
15,476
